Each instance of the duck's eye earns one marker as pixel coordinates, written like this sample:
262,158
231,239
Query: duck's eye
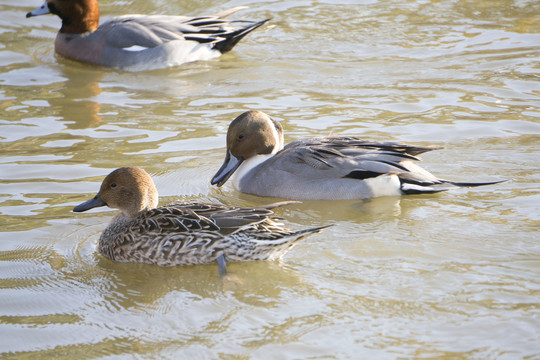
113,185
241,137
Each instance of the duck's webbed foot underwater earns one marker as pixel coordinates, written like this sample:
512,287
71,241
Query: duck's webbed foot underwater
229,281
222,265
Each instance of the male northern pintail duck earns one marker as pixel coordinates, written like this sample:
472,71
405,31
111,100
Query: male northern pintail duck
325,168
184,233
142,42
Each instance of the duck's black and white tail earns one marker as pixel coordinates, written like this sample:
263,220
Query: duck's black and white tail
431,188
230,39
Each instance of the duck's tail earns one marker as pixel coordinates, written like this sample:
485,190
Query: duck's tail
280,247
444,185
232,38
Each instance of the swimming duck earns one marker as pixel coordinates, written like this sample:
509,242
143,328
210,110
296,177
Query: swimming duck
142,42
325,168
184,233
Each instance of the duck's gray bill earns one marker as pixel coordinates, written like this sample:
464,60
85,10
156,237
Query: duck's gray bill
90,204
229,166
42,10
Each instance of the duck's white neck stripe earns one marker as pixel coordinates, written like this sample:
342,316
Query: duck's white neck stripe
278,139
246,167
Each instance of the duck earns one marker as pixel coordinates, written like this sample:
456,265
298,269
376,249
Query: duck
185,233
142,42
322,168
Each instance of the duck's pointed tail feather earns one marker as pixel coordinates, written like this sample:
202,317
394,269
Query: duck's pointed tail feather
301,234
234,37
410,188
474,184
284,244
314,230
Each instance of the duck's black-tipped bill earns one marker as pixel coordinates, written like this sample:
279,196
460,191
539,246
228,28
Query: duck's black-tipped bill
90,204
42,10
228,168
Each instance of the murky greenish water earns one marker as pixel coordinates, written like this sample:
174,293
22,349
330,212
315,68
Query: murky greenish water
453,275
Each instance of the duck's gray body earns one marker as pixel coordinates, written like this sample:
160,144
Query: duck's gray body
325,168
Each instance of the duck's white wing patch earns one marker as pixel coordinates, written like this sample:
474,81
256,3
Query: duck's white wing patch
135,48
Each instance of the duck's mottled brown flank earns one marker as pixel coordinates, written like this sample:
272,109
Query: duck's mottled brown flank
184,233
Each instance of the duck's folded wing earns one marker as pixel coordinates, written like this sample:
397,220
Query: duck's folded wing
365,160
229,219
352,145
345,158
126,32
351,159
148,31
171,219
